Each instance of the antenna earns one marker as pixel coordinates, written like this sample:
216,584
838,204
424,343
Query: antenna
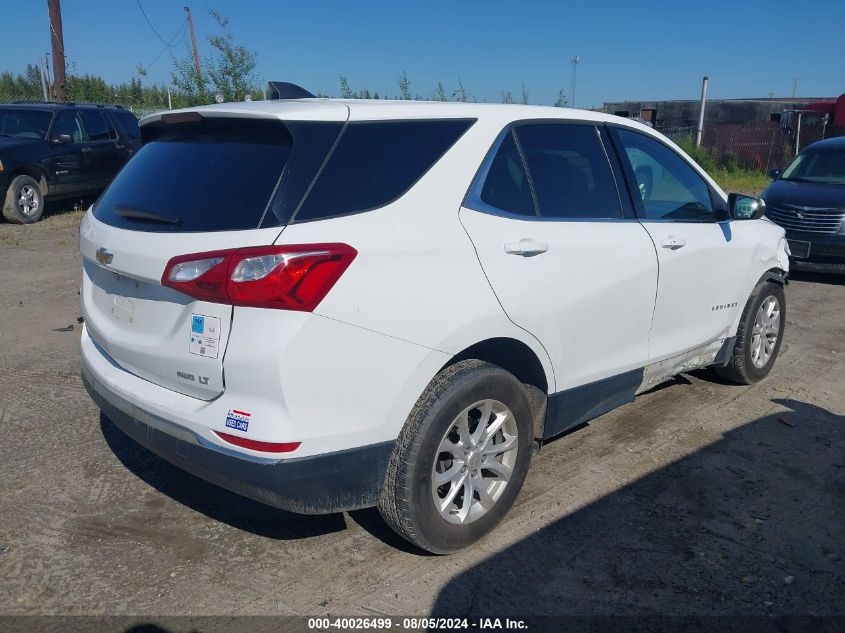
575,60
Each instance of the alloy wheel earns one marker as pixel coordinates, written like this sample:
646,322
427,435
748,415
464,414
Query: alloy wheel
28,200
474,461
764,335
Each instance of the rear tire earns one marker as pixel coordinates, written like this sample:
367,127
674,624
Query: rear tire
758,337
480,468
24,202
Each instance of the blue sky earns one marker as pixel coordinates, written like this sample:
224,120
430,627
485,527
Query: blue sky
629,50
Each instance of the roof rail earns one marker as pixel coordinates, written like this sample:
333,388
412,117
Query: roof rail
68,103
40,102
285,90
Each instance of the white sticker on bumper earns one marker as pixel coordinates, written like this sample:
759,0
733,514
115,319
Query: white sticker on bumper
205,335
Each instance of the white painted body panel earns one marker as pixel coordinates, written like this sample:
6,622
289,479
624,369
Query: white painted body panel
609,266
701,284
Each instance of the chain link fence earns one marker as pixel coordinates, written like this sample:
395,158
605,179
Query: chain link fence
759,146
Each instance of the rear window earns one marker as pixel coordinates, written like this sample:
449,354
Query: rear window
376,162
215,175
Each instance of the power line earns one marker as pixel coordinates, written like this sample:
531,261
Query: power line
181,33
152,28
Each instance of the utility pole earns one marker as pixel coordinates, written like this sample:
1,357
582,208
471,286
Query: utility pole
47,68
700,129
54,12
194,46
575,60
795,85
43,74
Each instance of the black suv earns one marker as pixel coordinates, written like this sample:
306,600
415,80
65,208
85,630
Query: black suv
53,150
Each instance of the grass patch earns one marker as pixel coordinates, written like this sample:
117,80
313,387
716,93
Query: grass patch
730,176
746,181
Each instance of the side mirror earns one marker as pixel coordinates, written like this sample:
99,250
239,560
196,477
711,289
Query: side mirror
744,207
774,174
62,139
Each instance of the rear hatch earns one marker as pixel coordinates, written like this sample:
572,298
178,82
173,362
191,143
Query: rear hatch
202,181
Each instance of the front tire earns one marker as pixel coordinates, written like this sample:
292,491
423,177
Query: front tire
758,337
461,458
24,203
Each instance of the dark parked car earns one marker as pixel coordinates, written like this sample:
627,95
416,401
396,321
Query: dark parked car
808,200
52,150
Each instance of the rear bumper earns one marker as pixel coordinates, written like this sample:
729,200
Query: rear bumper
333,482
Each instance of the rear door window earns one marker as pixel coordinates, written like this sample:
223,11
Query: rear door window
570,171
376,162
214,175
127,124
95,125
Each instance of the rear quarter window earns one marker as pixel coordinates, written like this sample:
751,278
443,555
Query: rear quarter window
376,162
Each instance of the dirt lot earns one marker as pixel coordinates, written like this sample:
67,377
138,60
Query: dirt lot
699,498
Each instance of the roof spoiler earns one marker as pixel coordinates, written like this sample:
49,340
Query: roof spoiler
285,90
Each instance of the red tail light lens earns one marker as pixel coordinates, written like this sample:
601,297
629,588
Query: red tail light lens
267,447
294,277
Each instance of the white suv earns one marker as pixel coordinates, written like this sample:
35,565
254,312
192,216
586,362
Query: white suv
327,305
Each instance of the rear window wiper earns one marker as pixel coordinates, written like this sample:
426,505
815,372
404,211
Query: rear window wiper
131,213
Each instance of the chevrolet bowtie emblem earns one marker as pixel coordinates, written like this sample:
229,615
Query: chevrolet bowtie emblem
104,256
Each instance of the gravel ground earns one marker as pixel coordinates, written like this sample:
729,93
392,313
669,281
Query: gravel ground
699,498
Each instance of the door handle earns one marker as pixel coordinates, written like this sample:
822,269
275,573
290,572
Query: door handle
673,243
526,247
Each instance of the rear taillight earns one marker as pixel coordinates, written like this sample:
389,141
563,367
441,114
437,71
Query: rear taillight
283,277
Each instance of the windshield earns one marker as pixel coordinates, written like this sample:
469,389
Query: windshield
821,165
24,123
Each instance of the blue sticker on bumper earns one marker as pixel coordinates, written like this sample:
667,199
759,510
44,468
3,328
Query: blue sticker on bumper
238,420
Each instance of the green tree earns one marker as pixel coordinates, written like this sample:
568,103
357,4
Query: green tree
191,86
460,93
439,93
229,70
21,87
405,86
345,91
562,101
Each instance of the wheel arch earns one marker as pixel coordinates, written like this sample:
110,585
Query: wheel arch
776,275
33,171
518,358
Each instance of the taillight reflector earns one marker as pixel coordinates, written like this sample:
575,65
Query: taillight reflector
294,277
255,445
